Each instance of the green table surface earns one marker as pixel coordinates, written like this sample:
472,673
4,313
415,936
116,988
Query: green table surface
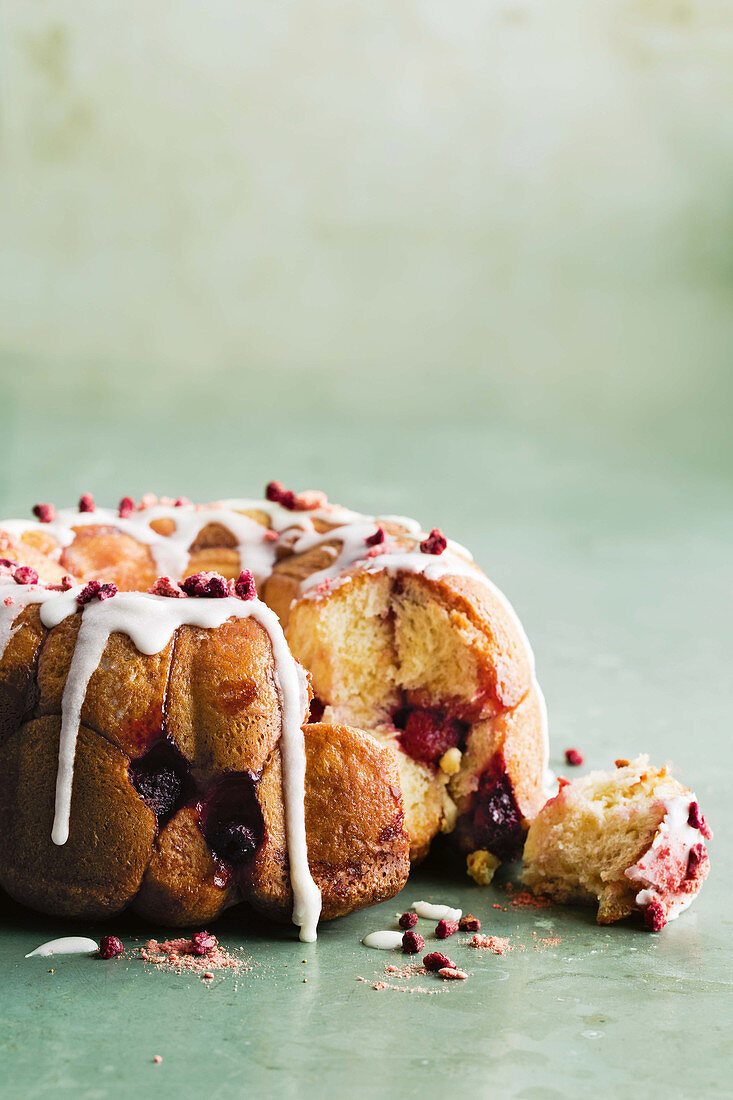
616,555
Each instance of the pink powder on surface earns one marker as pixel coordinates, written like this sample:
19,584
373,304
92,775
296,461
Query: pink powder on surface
181,954
499,945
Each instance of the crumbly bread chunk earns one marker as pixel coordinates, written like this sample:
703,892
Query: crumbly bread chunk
628,839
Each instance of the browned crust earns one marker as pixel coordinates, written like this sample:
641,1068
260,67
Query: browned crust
126,693
223,710
18,665
184,884
358,849
100,868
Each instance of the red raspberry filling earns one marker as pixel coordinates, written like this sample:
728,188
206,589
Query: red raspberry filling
435,543
408,920
203,942
86,503
573,757
446,928
655,916
45,513
412,942
25,575
110,947
436,960
469,923
95,590
245,587
126,508
427,734
207,586
696,820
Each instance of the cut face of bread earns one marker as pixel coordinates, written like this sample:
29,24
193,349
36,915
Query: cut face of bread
631,839
438,668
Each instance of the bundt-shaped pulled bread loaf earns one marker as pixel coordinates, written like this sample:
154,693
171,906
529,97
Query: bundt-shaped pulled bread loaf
631,840
425,714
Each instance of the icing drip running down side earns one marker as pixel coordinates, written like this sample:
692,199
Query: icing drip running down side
150,622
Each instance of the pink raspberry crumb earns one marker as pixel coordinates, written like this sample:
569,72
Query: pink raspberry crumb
110,947
655,916
435,543
573,757
126,507
408,920
86,503
166,586
44,513
66,582
446,928
157,1059
180,502
412,942
245,587
276,492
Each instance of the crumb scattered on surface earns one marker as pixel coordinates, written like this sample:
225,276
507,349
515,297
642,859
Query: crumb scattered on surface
524,900
157,1059
499,945
181,954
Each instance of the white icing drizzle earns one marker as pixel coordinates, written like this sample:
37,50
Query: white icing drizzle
383,941
669,851
431,911
66,945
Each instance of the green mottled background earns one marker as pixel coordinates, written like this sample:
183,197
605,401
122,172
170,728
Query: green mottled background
470,261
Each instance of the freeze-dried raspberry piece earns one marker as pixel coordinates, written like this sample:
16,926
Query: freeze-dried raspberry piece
436,960
452,974
376,538
245,587
95,590
573,757
86,503
166,586
44,513
435,543
66,582
655,916
698,852
469,923
696,820
412,942
25,575
408,920
126,507
276,492
203,942
208,586
110,947
180,502
309,500
446,928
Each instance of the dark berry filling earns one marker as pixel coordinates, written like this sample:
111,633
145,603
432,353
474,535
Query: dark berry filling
497,822
161,779
316,710
427,734
231,820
